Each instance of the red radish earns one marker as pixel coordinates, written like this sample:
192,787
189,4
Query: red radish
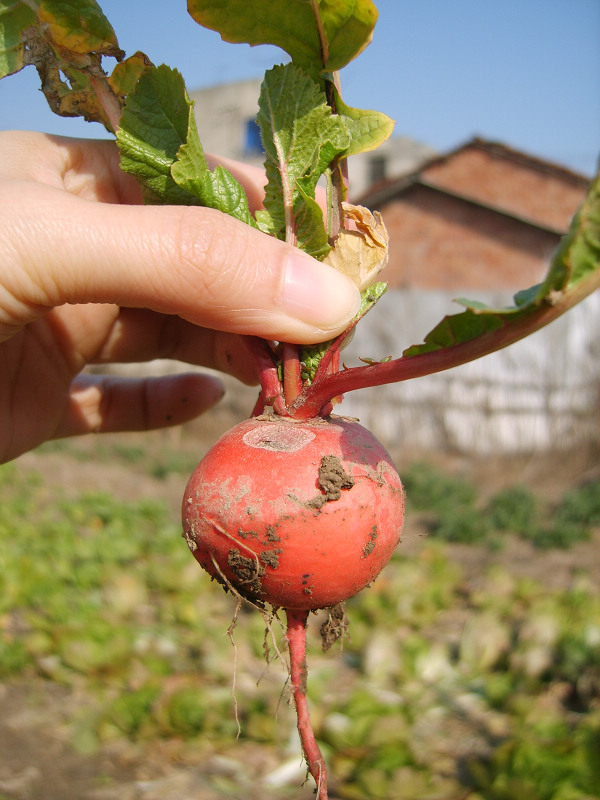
297,515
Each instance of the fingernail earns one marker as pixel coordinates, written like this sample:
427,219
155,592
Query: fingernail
317,294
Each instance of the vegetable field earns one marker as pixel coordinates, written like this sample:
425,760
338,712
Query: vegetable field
471,669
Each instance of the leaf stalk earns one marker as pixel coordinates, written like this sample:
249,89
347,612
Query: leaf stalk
315,397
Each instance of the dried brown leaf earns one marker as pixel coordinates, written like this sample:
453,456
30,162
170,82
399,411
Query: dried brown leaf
362,252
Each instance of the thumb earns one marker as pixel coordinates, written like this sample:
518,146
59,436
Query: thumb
194,262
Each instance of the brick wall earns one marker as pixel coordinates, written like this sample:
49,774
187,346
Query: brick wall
482,217
509,181
439,242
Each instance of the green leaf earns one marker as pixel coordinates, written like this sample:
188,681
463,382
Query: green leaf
369,296
160,146
579,253
153,127
217,189
301,137
458,328
15,18
319,35
368,129
311,235
574,272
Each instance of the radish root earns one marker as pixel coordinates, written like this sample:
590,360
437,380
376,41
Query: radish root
230,630
296,636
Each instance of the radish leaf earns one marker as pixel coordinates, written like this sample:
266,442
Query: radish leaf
301,137
15,18
159,144
217,189
574,272
153,127
368,129
318,34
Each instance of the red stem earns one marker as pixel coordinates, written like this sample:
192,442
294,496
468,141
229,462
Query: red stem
271,390
292,378
296,636
315,397
334,369
330,361
108,100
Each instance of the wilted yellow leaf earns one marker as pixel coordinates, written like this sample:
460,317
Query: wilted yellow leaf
360,253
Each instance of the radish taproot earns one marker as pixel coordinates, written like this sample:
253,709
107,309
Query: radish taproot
299,516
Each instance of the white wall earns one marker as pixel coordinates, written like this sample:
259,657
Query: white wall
539,394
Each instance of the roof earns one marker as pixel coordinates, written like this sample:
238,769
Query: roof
498,178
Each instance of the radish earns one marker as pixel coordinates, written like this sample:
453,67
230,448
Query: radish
299,516
276,504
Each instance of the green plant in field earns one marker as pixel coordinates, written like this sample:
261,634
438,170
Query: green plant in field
169,674
513,509
557,534
581,505
450,502
551,761
462,525
454,513
129,712
430,489
570,522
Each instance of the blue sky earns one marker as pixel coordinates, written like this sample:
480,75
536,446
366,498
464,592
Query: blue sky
523,72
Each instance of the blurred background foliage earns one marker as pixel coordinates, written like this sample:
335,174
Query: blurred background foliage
451,684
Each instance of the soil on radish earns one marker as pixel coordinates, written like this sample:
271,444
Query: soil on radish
335,626
332,479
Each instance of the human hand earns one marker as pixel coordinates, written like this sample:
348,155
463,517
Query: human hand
90,276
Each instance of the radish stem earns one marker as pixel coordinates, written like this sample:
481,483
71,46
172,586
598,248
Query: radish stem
108,100
322,390
296,636
292,379
271,390
338,168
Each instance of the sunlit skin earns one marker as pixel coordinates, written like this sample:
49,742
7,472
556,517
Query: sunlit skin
90,276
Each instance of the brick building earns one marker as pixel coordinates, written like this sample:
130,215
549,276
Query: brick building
482,222
483,217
